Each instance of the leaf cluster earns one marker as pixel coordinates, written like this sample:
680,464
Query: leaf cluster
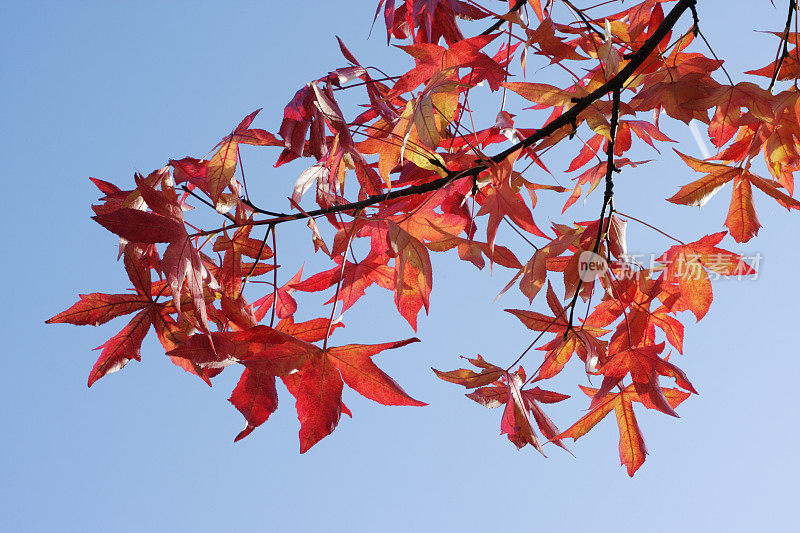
410,173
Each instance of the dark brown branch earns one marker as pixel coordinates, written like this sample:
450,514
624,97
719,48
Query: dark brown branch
364,83
607,197
783,49
695,20
371,200
500,22
246,202
636,60
188,191
565,119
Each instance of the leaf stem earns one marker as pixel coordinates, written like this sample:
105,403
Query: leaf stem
188,191
274,276
338,289
649,226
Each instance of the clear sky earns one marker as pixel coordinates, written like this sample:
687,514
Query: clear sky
105,88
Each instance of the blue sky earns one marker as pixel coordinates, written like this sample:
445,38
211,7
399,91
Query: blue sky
105,88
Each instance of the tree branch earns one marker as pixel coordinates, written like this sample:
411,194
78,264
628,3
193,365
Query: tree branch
607,197
567,118
500,22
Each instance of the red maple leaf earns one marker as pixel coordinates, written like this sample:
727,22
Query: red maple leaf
632,448
687,264
98,308
355,278
644,365
314,376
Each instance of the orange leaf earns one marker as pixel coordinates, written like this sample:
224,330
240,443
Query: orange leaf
354,361
742,220
469,378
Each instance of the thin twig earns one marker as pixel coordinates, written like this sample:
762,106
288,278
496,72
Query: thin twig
516,7
371,80
783,48
258,258
188,191
586,22
609,193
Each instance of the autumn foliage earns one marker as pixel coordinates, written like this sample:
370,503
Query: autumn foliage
412,172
